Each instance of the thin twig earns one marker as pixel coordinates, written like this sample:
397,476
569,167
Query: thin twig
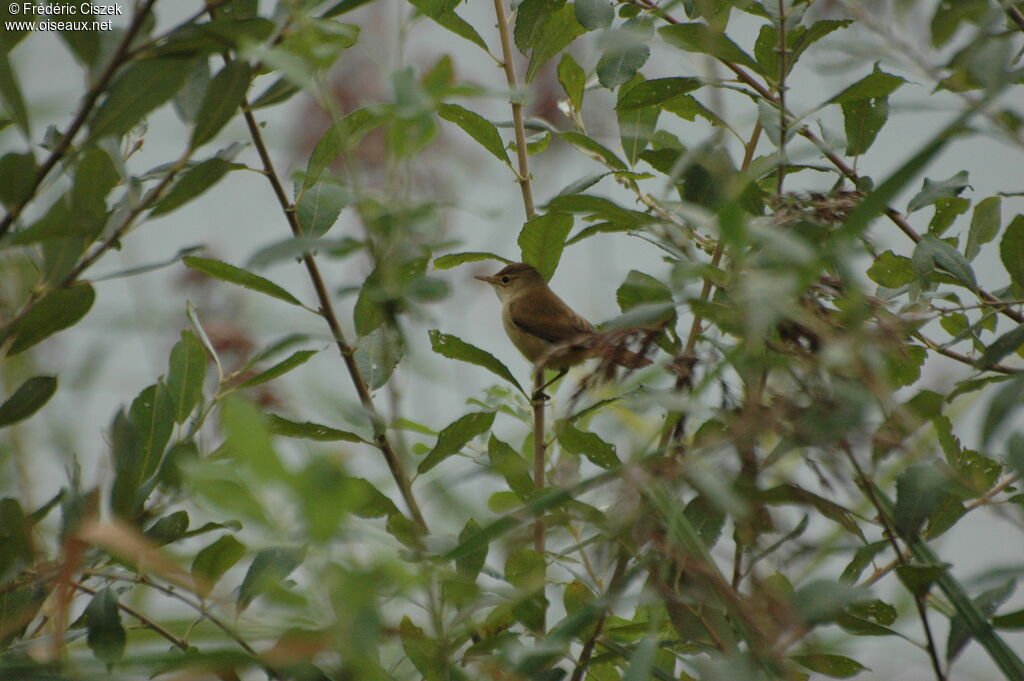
114,239
198,606
517,107
890,534
146,622
380,436
962,358
614,587
523,177
88,102
782,98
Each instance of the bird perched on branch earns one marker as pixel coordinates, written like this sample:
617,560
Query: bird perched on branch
547,331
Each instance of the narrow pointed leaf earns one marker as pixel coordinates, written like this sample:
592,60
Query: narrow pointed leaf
454,347
236,275
27,399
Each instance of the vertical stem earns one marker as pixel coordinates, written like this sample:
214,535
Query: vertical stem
517,107
538,454
523,176
380,436
782,97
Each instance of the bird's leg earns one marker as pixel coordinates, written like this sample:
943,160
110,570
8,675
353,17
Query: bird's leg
538,394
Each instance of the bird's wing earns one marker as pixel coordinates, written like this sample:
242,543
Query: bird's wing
552,320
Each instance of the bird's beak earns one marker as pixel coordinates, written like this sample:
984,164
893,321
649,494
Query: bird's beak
489,280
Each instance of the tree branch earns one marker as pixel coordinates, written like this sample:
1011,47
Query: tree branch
347,352
88,102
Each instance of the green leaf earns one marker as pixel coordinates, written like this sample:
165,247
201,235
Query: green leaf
10,92
168,529
594,14
454,347
878,84
1011,620
597,207
1011,251
223,97
641,289
344,6
185,375
947,209
193,183
931,252
833,666
106,636
444,15
279,91
588,444
152,414
706,517
822,601
27,399
511,466
54,312
296,359
636,127
426,654
986,602
343,135
985,223
654,92
455,436
531,17
618,65
319,206
863,119
1006,344
378,353
446,262
213,561
556,32
524,569
933,190
542,240
891,270
918,578
236,275
477,127
573,80
920,488
141,87
581,141
469,565
17,178
279,425
641,661
19,551
269,568
704,39
248,440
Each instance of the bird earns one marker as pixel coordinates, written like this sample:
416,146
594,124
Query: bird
548,332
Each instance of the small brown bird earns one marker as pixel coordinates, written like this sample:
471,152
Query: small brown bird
545,329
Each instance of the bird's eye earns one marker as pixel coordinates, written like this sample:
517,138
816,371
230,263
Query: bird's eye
506,279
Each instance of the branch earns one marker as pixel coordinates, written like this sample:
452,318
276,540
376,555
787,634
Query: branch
517,107
890,533
327,312
836,161
88,102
